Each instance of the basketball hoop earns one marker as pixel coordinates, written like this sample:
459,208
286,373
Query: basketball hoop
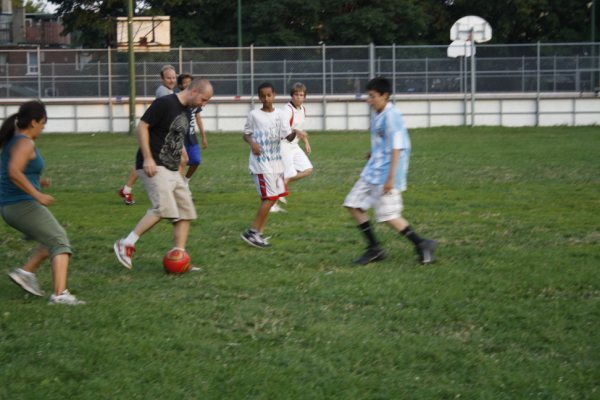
150,34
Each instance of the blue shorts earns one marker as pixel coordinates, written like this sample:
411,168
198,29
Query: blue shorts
194,156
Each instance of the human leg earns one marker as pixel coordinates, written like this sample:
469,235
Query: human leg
389,210
36,259
38,223
124,248
358,201
425,248
190,171
25,276
253,236
60,266
300,175
194,159
126,191
270,187
181,230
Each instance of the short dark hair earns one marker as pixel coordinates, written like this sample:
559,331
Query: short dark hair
380,84
265,85
183,76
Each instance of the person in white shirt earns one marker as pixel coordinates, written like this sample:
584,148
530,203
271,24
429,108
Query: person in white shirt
295,160
264,131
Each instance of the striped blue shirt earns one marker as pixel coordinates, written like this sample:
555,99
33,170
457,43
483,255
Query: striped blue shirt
388,133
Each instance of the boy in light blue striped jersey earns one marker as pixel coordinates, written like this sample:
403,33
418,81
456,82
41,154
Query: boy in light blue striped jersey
384,178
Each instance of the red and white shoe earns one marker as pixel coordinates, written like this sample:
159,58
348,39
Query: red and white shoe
124,253
127,197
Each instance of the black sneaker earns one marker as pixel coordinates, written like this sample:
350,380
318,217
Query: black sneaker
426,250
373,254
254,239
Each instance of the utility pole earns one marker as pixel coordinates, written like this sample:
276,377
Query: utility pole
239,43
131,62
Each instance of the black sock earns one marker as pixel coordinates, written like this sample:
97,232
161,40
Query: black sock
411,235
366,229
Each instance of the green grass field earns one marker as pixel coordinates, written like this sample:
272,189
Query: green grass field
511,309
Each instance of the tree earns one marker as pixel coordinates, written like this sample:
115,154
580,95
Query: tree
91,21
198,23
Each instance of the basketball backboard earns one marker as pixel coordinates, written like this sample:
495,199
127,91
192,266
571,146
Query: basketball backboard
149,33
470,28
460,48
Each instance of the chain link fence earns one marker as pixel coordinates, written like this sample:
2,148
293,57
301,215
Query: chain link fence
326,70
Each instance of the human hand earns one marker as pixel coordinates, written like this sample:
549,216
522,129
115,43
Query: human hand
256,149
44,199
150,167
301,134
45,182
307,148
204,143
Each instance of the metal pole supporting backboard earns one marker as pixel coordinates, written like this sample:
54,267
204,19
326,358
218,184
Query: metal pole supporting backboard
469,29
473,88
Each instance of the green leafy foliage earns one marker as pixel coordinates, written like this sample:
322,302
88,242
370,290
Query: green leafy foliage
337,22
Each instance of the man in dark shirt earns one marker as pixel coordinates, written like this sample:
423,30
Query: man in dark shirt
161,133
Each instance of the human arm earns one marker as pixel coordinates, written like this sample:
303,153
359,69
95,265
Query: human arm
20,155
292,135
254,147
304,137
184,160
201,130
389,183
143,131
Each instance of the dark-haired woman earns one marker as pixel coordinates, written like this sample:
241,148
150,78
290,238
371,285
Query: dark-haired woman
24,207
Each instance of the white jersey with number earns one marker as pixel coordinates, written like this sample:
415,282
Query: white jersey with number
267,130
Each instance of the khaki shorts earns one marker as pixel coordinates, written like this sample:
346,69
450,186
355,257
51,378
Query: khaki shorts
37,223
365,195
169,194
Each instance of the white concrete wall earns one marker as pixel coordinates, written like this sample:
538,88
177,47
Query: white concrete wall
80,115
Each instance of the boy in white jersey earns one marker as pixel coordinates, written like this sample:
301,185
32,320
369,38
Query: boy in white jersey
295,161
264,131
384,177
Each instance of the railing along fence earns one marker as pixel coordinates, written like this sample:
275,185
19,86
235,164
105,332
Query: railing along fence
326,70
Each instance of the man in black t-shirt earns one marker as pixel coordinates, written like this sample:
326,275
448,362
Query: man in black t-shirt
161,133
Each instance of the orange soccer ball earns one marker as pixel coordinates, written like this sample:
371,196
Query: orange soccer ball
177,262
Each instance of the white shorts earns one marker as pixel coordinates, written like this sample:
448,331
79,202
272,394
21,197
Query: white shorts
294,159
365,195
270,186
169,194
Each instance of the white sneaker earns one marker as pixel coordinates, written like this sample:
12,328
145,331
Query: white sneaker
65,298
26,280
277,208
283,200
124,253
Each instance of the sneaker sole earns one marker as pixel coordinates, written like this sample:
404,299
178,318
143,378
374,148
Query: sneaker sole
116,248
17,280
252,244
431,257
379,257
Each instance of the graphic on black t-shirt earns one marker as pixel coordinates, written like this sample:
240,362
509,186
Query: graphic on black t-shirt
168,125
170,153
